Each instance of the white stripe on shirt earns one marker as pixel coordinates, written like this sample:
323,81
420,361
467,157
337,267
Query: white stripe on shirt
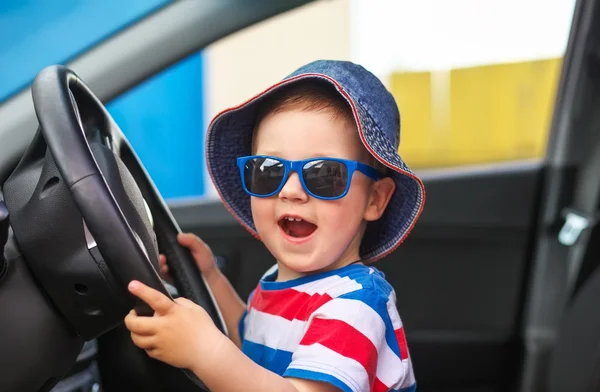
333,285
318,358
275,332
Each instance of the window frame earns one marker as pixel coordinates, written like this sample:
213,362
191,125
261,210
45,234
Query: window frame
136,54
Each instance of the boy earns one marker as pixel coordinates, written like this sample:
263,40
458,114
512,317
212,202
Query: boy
310,167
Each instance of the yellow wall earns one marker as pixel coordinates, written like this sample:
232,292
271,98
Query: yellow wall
476,115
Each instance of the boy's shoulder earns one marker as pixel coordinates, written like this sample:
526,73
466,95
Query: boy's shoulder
354,282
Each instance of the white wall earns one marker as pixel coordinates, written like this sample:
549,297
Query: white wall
241,65
419,35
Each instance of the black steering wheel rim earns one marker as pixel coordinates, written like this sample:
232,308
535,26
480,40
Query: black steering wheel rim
63,103
56,93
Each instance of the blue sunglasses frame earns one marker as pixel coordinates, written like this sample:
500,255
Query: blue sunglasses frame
297,167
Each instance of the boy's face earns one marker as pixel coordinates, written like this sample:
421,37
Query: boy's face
338,224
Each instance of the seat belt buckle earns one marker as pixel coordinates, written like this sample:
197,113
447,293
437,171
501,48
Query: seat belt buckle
575,224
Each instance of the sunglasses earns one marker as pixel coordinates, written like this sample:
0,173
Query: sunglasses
322,178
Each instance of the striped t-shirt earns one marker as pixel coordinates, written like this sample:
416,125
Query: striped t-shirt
340,327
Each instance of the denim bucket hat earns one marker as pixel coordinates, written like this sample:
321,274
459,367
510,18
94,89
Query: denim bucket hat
229,136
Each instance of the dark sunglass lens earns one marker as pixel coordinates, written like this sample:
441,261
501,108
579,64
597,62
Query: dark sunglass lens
263,176
325,178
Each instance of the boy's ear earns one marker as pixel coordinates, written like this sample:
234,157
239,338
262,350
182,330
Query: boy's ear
381,193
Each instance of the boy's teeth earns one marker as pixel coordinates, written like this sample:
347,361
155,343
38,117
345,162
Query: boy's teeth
293,219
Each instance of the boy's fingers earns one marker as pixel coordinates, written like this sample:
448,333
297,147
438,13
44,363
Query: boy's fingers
192,242
156,300
185,302
140,325
143,342
154,353
164,268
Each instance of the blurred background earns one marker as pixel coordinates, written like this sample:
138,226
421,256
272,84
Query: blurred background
475,80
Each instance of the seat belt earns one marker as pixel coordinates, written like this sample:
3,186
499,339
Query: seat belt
581,217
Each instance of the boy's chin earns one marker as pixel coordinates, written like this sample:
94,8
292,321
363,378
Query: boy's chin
295,266
302,265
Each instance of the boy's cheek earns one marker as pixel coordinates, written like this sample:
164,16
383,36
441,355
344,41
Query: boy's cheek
263,216
340,215
260,209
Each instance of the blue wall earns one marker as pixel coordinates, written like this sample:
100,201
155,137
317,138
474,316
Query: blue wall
162,117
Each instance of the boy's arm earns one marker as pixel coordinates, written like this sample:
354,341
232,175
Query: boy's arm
183,335
231,371
230,304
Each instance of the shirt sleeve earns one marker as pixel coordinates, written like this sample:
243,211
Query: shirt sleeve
242,322
242,326
351,344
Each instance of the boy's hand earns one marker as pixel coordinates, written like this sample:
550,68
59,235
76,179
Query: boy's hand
202,254
180,333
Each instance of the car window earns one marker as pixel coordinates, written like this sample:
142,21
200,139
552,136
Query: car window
475,81
37,33
163,120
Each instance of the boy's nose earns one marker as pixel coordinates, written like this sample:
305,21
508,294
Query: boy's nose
292,190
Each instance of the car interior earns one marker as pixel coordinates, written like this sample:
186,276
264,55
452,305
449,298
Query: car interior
497,284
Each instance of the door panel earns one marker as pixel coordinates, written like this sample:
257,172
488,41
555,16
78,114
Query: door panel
459,276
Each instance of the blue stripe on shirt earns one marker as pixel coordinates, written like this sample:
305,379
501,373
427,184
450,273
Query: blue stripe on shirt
412,388
317,376
377,303
278,360
241,325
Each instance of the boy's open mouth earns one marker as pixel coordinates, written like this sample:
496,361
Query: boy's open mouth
296,227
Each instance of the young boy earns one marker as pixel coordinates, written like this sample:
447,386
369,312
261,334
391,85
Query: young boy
311,168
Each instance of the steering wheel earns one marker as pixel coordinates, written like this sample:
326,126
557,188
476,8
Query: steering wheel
88,220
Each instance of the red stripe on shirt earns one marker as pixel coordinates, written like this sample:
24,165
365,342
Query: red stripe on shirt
378,386
345,340
401,338
288,303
